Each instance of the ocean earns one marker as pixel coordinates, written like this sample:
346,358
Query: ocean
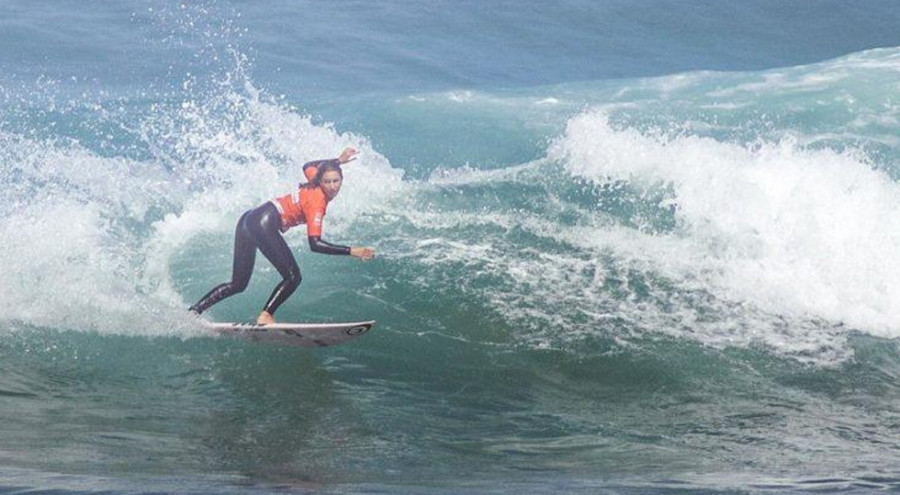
642,247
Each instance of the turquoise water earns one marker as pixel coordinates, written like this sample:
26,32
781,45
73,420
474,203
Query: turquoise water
643,247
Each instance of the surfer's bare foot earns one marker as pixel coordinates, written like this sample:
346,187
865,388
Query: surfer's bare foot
265,318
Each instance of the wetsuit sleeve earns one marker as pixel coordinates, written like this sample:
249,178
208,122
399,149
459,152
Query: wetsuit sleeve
310,168
318,245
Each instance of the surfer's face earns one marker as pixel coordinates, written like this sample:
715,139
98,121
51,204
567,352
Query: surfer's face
331,183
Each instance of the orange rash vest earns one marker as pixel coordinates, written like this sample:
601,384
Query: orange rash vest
305,205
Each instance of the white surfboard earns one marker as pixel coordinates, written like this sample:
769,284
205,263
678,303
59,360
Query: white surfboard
295,334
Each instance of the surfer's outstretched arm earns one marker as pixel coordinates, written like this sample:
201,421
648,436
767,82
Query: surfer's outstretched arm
318,245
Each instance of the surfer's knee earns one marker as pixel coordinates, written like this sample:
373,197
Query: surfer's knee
293,277
239,286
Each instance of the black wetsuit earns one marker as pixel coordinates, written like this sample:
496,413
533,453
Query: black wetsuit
260,228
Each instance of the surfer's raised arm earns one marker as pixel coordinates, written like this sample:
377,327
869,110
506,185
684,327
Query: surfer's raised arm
348,155
261,228
311,168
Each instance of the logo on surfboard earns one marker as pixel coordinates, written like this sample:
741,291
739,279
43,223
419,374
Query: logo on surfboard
358,330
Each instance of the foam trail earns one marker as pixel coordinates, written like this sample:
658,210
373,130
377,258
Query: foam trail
68,250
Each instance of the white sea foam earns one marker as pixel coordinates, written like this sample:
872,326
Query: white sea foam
68,260
791,231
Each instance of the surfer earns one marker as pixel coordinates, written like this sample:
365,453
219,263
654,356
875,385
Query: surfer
261,228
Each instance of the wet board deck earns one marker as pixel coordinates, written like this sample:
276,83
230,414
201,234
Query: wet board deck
294,334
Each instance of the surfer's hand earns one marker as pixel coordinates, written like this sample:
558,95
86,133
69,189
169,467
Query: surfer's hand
363,253
348,155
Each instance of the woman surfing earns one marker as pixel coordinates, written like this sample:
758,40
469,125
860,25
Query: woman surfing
262,227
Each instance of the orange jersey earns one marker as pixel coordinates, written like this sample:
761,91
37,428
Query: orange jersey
302,206
305,205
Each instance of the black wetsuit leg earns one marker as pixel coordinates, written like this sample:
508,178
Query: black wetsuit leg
258,228
242,267
267,233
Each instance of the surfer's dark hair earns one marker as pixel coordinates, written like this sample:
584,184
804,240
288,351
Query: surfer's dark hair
320,172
